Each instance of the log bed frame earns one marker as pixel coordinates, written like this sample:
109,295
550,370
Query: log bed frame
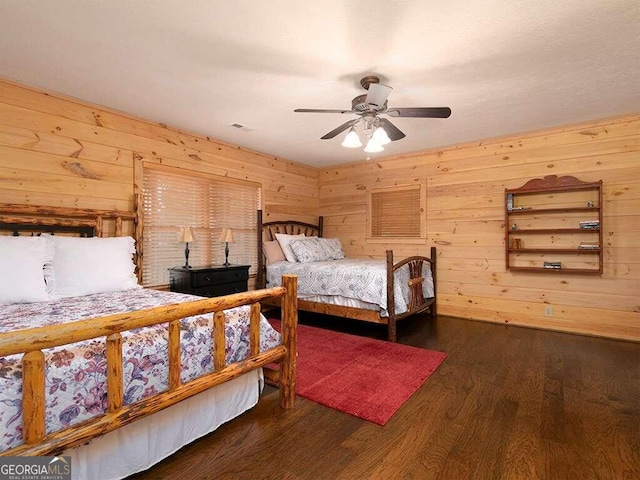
28,219
417,303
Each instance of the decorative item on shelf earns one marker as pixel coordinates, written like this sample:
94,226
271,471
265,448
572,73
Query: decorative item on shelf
226,237
185,235
516,243
590,204
589,224
509,201
589,246
553,265
514,226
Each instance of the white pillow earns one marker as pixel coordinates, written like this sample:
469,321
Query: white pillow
83,266
22,261
315,249
284,240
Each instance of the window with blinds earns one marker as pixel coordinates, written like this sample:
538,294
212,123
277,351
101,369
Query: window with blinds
396,212
207,204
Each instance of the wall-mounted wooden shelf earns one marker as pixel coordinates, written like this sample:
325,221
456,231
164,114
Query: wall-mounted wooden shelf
580,271
556,230
555,250
550,210
531,211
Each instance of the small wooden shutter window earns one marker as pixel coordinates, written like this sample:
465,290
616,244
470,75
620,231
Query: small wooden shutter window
395,213
172,200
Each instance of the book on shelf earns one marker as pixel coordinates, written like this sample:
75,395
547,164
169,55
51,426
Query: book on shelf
589,246
516,243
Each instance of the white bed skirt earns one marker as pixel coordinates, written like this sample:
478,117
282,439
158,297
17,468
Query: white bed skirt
143,443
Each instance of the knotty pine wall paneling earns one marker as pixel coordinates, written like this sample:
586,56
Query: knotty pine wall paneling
61,151
465,220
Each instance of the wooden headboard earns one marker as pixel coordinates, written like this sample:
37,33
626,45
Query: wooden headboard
17,219
267,233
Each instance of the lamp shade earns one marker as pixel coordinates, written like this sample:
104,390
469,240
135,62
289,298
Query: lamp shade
373,146
352,140
380,136
185,235
226,236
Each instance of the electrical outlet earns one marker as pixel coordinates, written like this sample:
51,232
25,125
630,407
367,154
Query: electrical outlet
548,311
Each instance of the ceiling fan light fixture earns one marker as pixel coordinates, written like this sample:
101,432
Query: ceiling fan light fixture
380,131
380,136
352,140
373,146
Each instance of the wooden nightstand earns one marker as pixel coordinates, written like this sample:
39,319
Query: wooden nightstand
210,281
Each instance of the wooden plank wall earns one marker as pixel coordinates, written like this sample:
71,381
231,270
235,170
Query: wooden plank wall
465,220
60,151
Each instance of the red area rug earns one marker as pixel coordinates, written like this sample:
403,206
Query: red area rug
368,378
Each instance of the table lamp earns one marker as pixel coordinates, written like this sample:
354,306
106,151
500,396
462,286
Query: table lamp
227,237
185,236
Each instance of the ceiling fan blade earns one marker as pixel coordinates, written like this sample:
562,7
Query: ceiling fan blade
340,129
420,112
378,94
315,110
393,132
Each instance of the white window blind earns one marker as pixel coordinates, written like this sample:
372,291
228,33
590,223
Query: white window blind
395,212
206,204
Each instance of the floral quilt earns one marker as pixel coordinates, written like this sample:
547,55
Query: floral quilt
357,278
76,374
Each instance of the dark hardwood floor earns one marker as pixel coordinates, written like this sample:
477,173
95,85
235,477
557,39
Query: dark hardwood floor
507,403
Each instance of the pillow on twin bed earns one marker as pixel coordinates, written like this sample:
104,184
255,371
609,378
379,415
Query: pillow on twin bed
83,266
284,240
273,252
317,249
22,261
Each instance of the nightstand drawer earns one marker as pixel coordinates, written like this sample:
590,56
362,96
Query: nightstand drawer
203,279
219,290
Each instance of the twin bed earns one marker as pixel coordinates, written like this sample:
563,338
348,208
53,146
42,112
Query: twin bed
378,291
95,367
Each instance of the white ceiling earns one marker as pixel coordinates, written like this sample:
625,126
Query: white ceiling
503,66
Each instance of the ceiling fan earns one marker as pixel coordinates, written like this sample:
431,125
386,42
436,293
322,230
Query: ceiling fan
369,107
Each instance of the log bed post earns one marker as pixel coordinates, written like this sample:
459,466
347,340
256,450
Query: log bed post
114,372
174,354
219,341
432,308
391,302
254,329
33,397
138,234
289,340
260,280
